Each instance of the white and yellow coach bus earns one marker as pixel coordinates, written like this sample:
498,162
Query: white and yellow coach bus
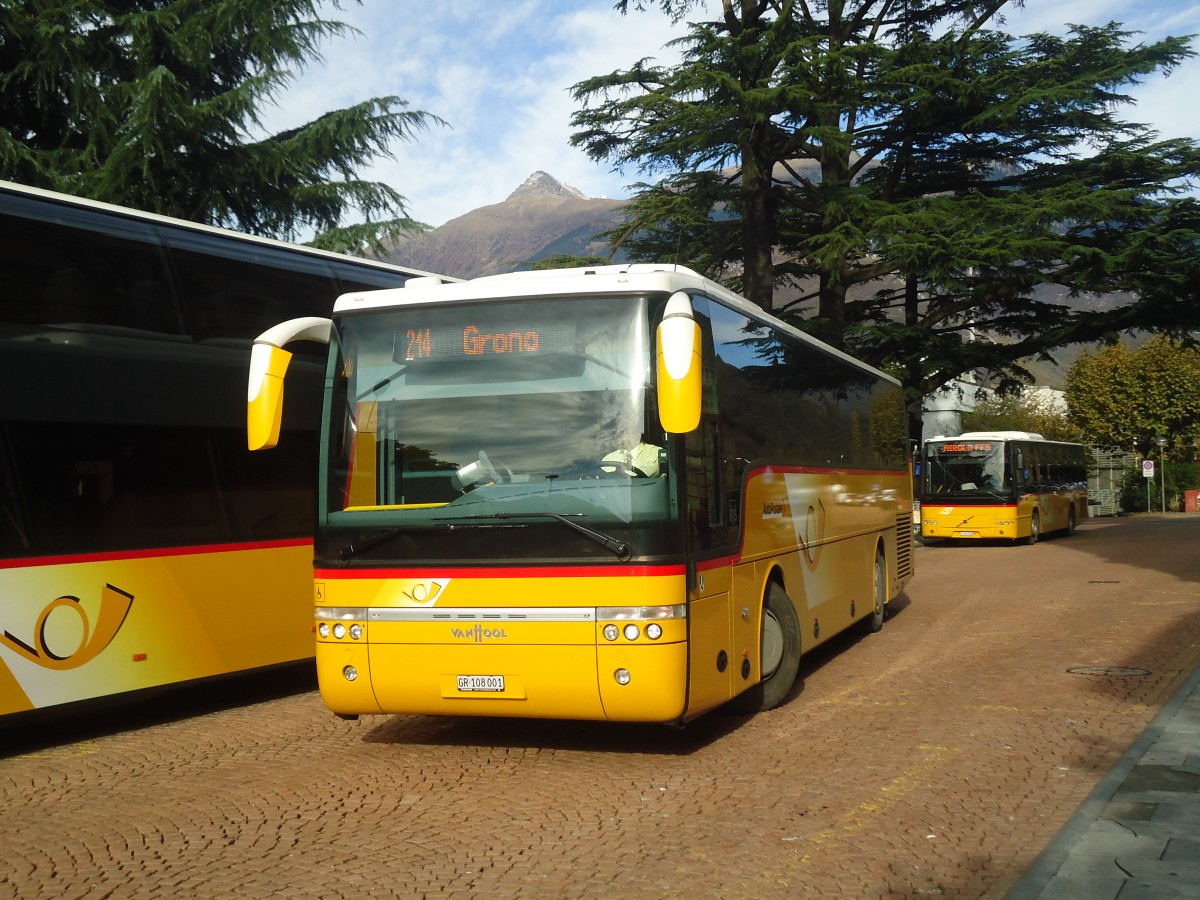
620,493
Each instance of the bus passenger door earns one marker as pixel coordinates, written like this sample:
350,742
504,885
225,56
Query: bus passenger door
711,657
711,664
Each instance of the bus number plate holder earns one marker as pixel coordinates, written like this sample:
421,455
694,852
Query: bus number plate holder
481,683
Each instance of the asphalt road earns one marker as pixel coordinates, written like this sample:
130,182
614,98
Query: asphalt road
936,758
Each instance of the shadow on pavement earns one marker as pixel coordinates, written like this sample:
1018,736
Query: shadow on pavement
39,729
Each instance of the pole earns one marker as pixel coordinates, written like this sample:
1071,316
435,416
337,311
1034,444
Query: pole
1164,479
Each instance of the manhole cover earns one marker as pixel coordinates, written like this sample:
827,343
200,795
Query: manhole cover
1109,671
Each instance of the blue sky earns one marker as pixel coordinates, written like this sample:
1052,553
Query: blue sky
498,71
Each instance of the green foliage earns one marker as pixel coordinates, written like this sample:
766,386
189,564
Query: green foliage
1021,411
1181,476
154,104
910,176
1123,398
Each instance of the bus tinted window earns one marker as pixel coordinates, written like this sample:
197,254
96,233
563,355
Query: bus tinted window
785,400
239,290
76,267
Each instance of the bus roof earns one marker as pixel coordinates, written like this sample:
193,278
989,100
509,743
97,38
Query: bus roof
996,436
10,187
638,278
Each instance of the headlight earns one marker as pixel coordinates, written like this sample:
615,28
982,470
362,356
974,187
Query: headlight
611,632
632,632
339,631
654,631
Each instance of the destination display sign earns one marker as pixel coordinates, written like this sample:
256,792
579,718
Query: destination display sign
966,448
481,340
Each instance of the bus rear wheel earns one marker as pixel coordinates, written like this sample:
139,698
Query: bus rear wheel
780,649
874,622
1070,521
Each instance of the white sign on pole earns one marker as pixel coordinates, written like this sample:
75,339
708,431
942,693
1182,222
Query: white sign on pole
1147,468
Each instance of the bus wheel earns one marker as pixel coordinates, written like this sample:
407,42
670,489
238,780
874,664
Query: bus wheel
874,622
1070,521
780,654
1035,528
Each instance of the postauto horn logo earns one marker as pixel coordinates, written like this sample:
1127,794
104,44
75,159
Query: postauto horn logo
45,651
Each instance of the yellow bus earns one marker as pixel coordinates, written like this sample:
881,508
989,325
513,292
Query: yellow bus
1008,485
141,543
619,493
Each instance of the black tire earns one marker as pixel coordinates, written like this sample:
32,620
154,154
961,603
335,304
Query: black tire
873,623
1070,521
1035,528
780,648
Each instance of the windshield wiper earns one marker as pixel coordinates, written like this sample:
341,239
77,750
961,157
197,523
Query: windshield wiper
366,543
618,548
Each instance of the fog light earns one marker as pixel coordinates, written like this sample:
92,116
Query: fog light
350,673
632,632
654,631
339,631
611,632
622,676
323,629
356,631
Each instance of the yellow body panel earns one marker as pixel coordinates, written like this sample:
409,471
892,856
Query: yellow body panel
816,533
80,630
1002,522
554,664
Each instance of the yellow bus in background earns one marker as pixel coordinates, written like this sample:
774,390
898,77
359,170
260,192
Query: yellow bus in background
1009,485
618,493
141,543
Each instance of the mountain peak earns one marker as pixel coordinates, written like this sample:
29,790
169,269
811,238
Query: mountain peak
543,183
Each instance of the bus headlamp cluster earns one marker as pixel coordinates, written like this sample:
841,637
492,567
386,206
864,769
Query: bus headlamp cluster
336,621
633,618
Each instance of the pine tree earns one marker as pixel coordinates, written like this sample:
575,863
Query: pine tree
913,174
154,104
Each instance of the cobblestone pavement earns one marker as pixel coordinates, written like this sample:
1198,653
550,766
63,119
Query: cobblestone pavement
938,757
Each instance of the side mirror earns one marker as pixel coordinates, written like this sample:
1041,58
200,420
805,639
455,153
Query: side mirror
677,366
264,400
268,366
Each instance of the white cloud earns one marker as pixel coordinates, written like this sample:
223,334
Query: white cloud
499,74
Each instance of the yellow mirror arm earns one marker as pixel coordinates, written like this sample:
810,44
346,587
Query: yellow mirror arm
268,366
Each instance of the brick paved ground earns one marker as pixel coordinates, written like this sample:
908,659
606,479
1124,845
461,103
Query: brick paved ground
934,759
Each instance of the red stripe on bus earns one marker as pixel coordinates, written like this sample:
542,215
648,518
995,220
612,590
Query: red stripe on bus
823,470
154,553
521,572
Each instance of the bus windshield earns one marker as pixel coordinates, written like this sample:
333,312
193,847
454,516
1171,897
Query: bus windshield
967,468
524,419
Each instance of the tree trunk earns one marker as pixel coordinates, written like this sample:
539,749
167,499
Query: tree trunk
758,281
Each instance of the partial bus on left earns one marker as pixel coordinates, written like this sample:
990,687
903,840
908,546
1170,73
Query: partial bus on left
141,543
